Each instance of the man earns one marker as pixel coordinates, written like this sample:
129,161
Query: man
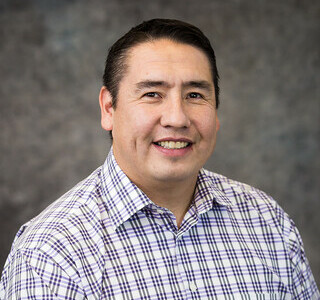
151,223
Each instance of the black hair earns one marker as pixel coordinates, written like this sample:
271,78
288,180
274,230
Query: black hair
151,30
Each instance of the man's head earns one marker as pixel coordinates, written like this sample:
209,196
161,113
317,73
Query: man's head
174,30
164,123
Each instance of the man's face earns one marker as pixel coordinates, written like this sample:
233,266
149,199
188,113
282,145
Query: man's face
165,124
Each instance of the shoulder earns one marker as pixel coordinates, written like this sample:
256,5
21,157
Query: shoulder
246,198
64,241
76,210
240,189
251,205
255,213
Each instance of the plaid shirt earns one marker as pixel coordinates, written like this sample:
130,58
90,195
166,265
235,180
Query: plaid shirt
105,239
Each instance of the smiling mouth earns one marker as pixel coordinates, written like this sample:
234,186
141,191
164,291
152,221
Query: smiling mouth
172,144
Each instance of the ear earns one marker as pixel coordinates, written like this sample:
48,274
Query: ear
217,122
105,100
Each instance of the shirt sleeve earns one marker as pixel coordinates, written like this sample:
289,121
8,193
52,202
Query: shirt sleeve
303,283
31,274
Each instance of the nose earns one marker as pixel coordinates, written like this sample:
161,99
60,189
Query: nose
174,114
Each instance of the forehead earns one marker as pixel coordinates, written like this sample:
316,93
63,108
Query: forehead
164,57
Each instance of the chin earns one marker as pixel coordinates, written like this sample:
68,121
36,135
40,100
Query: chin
175,175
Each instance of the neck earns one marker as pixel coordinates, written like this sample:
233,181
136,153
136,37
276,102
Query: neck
175,196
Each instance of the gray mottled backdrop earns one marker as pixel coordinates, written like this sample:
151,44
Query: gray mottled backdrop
52,55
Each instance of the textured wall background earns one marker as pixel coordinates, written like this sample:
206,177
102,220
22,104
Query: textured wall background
52,55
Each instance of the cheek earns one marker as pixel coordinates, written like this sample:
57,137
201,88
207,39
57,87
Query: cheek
135,124
206,124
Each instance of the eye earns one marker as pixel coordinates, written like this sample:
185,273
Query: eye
151,95
194,95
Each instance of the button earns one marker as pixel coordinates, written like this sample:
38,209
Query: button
193,286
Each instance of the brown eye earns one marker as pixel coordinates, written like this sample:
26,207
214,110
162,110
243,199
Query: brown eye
151,94
194,95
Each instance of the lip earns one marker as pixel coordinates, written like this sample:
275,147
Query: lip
171,139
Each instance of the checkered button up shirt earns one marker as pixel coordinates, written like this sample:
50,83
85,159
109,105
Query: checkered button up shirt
105,239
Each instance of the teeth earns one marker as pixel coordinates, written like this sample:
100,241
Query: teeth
173,145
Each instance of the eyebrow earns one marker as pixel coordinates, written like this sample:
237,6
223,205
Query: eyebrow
150,84
201,84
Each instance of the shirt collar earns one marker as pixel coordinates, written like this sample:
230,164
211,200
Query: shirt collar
210,189
123,198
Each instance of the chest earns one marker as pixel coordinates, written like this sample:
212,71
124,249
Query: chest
219,257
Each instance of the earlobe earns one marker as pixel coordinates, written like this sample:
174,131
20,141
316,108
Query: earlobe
105,101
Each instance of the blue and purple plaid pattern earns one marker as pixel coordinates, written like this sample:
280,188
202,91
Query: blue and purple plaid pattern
105,239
